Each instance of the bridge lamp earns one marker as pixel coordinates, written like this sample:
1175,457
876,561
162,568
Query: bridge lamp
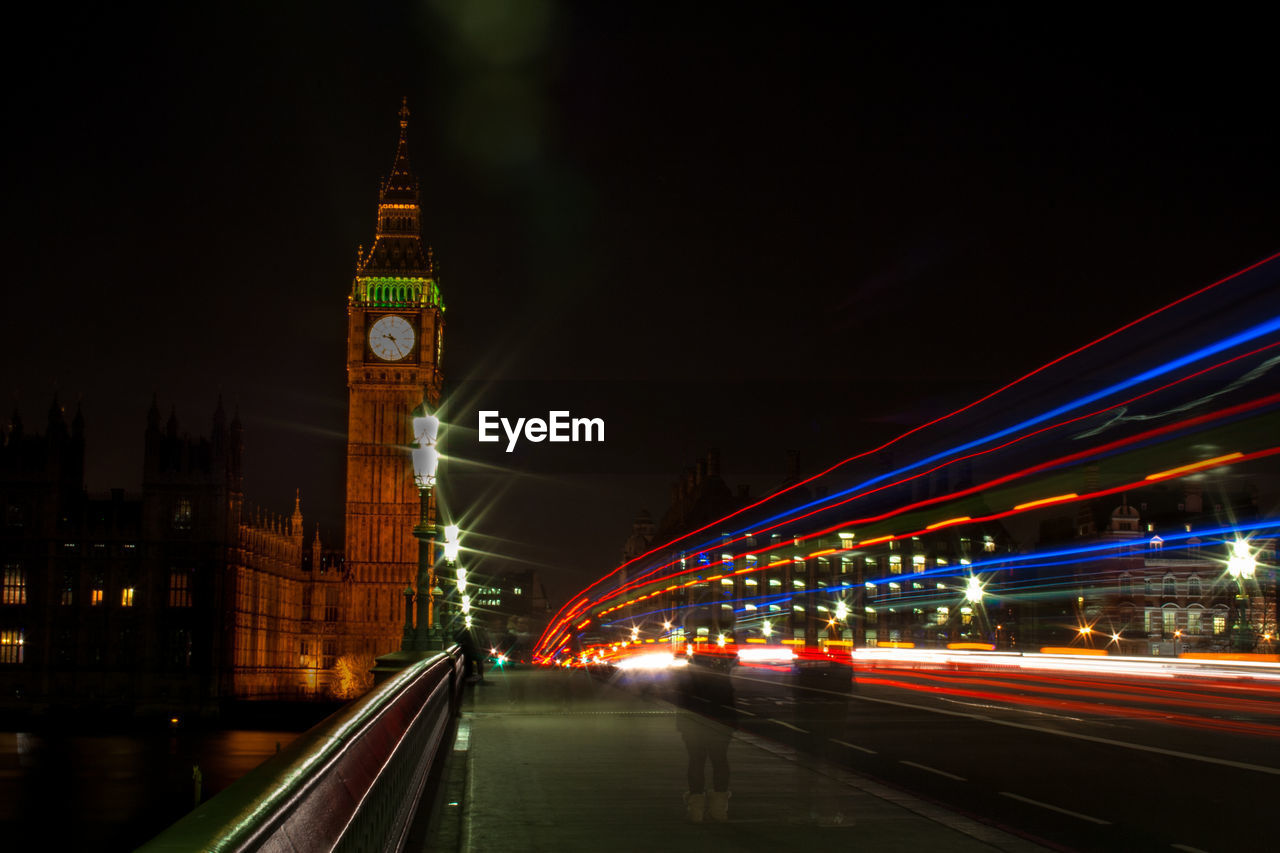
426,461
451,542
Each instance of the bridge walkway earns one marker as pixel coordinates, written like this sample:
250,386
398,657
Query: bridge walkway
565,761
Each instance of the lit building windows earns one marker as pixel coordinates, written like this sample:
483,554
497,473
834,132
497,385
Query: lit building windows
182,514
1219,624
126,596
895,564
989,544
15,586
895,590
179,588
917,563
95,596
12,645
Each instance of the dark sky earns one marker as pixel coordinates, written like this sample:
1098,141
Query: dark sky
755,228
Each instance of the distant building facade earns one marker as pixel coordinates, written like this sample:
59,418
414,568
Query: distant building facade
179,597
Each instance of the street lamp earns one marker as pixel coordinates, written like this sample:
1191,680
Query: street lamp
426,459
1242,566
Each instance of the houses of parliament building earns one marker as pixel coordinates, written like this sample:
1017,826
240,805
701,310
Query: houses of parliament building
187,595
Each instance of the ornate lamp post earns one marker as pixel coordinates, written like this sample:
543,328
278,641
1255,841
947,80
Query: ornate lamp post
426,459
1242,566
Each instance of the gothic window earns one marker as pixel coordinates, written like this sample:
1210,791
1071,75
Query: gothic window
330,606
15,585
182,514
12,645
179,588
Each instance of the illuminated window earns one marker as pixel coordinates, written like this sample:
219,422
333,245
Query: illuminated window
12,644
989,544
182,514
895,564
179,588
1219,624
917,563
126,597
15,586
95,596
895,590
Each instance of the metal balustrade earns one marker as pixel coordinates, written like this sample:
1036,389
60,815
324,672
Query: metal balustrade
352,782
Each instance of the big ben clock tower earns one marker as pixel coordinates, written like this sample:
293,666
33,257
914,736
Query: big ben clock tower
395,327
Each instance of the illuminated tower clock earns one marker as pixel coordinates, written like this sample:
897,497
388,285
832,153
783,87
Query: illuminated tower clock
394,339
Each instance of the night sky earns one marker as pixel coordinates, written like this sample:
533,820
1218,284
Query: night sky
755,229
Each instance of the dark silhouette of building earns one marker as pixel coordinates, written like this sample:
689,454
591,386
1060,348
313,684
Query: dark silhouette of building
178,597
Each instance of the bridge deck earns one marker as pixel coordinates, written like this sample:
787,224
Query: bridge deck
561,761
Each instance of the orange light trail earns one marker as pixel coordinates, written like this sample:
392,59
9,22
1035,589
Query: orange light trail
1046,501
1196,466
953,413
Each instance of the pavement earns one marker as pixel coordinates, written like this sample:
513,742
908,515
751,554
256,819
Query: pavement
563,761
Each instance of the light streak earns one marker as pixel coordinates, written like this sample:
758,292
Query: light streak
1195,466
1046,501
948,522
1089,345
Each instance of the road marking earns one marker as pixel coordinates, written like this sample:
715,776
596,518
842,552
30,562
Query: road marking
740,710
1187,848
1207,759
788,725
1058,809
934,770
852,746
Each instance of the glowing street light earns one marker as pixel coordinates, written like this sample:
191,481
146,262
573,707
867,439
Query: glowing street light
452,541
842,611
767,628
1241,565
973,590
426,461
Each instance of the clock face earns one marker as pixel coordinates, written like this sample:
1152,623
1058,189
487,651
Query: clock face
391,338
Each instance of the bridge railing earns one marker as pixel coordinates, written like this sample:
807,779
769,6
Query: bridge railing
352,782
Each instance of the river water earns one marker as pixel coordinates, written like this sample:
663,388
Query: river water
114,791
